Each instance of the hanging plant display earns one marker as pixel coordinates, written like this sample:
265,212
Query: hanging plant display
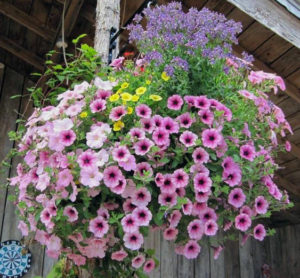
183,140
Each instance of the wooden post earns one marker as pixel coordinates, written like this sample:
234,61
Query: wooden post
107,16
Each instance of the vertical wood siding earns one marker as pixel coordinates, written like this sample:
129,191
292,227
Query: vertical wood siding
280,252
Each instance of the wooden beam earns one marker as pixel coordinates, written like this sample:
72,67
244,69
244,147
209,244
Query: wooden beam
273,16
291,89
21,53
295,150
26,20
71,16
290,187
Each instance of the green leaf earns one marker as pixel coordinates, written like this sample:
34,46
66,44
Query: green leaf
75,41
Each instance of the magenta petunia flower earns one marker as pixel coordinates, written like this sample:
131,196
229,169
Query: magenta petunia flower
67,137
202,182
143,111
149,266
141,197
175,102
111,176
133,241
157,120
128,206
191,249
190,100
195,229
211,138
147,125
180,178
160,136
202,102
144,169
159,179
200,155
87,160
202,197
185,120
142,215
138,261
65,177
102,94
188,138
206,116
210,227
248,152
228,164
129,223
232,177
236,197
167,199
243,222
120,187
120,154
205,214
143,146
170,125
98,105
246,210
98,226
117,113
259,232
71,213
261,205
175,218
187,208
170,233
168,186
119,255
137,133
129,164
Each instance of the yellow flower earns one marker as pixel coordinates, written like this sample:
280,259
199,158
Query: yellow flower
148,82
124,85
135,98
155,97
164,76
119,91
129,110
114,97
118,125
141,90
126,97
83,114
111,79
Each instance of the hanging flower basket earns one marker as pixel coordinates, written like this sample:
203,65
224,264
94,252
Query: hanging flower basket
183,139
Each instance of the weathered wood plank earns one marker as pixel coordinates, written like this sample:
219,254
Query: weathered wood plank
240,16
231,259
24,19
202,263
185,267
12,85
254,36
272,49
217,267
295,78
168,259
246,260
272,16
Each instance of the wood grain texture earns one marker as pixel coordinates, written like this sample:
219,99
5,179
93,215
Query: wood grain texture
273,16
168,259
202,263
240,16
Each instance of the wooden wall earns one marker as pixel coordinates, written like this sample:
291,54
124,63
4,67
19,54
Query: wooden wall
281,252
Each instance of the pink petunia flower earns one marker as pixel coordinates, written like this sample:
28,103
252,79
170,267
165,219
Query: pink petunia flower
167,199
202,197
90,177
149,266
202,182
160,136
248,152
188,138
170,125
180,178
232,177
129,164
141,197
210,228
137,133
168,186
206,116
200,155
147,125
236,197
191,249
65,177
175,102
195,229
157,120
243,222
71,213
133,241
175,218
67,137
111,176
120,154
205,213
185,120
98,105
170,233
144,169
120,187
211,138
87,160
259,232
119,255
142,215
98,226
143,146
143,111
261,205
117,113
129,223
138,261
77,259
202,102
